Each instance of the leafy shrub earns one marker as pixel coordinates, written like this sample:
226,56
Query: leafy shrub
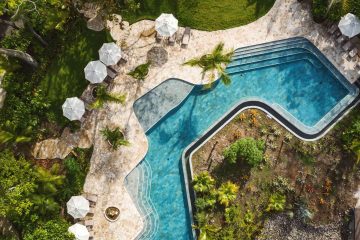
351,137
206,202
227,193
319,9
18,39
276,203
54,230
203,183
247,149
76,169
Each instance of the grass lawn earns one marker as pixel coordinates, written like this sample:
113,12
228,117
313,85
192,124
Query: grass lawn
204,14
65,76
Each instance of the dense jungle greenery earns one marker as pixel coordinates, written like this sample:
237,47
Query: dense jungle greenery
334,10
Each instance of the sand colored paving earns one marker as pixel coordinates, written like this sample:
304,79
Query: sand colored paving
287,18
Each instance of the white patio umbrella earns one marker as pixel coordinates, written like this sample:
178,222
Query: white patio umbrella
95,71
166,25
78,206
349,25
80,231
110,54
73,108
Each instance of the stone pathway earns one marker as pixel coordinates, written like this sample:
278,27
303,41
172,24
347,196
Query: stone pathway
288,18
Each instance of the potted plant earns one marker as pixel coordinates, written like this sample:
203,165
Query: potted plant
140,72
102,96
115,137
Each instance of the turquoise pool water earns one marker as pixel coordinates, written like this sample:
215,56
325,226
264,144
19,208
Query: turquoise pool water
291,76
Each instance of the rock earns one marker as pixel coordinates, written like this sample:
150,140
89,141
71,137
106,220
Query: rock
96,24
51,149
90,10
125,25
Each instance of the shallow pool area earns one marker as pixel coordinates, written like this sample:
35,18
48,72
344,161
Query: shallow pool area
290,76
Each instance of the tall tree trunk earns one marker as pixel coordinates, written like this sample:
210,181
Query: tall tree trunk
36,35
20,55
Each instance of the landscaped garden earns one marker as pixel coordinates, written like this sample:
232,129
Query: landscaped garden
250,171
206,15
253,168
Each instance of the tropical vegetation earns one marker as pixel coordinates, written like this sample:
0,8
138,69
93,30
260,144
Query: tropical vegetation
334,10
214,62
247,149
115,137
140,72
102,96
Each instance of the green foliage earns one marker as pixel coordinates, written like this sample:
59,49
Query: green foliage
203,15
140,72
351,136
53,229
241,223
207,201
115,137
281,185
247,149
43,15
102,96
76,169
18,184
203,183
319,9
207,231
18,39
276,203
334,10
216,61
227,193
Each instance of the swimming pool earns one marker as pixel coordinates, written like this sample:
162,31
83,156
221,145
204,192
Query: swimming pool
290,76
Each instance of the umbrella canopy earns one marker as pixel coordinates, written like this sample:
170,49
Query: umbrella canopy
78,206
349,25
73,108
166,25
110,54
95,72
80,231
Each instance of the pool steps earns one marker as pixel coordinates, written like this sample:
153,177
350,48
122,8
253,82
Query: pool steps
265,55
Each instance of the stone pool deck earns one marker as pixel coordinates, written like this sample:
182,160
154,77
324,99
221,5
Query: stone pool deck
287,18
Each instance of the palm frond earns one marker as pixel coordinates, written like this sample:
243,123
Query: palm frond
193,62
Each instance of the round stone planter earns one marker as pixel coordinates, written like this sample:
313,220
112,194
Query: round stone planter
112,214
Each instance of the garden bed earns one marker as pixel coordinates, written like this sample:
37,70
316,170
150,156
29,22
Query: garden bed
317,178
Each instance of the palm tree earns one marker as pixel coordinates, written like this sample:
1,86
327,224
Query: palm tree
227,193
215,61
203,183
102,96
115,137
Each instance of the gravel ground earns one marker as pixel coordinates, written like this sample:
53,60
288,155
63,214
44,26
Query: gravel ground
281,227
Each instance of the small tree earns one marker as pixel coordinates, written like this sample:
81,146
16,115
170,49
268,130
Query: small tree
215,61
102,96
247,149
115,137
140,72
227,193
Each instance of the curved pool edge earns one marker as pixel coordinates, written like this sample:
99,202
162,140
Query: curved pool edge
186,158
